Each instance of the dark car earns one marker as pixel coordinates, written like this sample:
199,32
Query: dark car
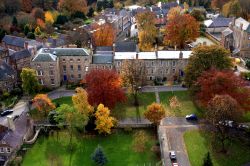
172,155
191,117
6,112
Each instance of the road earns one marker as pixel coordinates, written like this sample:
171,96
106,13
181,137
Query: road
171,133
20,108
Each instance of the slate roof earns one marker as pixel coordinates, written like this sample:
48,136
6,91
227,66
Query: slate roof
220,22
246,24
102,59
169,5
104,48
14,40
44,57
20,55
5,71
125,47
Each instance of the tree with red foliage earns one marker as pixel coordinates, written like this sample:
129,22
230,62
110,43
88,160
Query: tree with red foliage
104,86
214,82
180,29
27,5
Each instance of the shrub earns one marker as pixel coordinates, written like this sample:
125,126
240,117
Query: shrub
99,157
78,15
140,140
128,129
31,35
61,19
248,64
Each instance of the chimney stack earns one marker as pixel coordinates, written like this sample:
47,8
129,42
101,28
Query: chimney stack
241,26
11,124
181,55
26,44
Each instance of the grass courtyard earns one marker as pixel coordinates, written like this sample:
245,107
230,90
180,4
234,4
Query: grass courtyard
117,148
187,105
123,110
198,144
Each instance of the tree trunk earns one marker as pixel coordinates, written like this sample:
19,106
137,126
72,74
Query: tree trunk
136,102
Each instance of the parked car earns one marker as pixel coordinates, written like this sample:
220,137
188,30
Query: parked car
243,127
228,123
6,112
191,117
175,164
172,155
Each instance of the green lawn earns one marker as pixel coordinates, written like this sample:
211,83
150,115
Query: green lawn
127,109
63,100
198,145
187,105
117,148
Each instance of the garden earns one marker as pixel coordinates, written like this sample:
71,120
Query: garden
198,143
117,147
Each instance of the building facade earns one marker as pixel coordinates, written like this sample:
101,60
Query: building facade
8,77
58,65
237,38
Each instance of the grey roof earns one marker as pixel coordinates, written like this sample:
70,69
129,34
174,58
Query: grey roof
20,54
104,48
102,59
14,40
245,24
125,47
66,51
220,22
169,5
44,57
227,32
5,71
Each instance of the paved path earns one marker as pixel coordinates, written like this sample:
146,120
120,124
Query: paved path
171,133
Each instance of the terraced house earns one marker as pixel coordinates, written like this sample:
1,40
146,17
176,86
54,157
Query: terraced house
58,65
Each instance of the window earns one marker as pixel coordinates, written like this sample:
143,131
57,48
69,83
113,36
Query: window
118,63
152,71
79,76
39,72
166,63
79,68
64,68
72,76
173,70
78,60
38,65
51,65
87,68
174,63
71,67
52,81
40,81
8,150
1,150
64,60
51,72
71,60
152,63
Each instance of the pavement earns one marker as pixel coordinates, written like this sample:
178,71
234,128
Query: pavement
171,132
163,88
20,108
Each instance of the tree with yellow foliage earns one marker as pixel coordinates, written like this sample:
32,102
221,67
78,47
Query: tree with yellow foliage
43,104
174,103
104,122
49,18
155,113
80,102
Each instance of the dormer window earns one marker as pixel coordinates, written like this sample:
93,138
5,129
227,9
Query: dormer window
1,150
8,150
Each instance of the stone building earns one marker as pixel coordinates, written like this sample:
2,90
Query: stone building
237,38
58,65
8,77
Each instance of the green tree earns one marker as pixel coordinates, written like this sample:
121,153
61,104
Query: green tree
31,35
30,82
207,160
91,12
38,31
99,157
74,120
14,21
204,58
248,64
26,29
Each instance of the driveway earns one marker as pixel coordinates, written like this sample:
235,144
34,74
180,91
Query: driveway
171,133
20,108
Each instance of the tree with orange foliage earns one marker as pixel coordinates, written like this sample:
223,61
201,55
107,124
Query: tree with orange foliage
104,35
73,6
174,12
147,30
104,86
218,4
181,29
214,82
155,113
104,122
43,103
27,5
49,17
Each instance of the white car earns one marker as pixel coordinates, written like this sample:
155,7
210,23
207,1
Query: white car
172,155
